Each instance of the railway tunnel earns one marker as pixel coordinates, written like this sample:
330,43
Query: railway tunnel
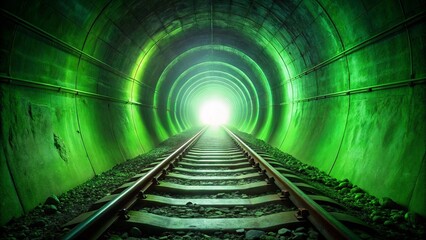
86,85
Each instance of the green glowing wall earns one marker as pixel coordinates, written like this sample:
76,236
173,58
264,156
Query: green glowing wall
88,84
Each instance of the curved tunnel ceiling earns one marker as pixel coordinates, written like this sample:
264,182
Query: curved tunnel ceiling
116,77
233,53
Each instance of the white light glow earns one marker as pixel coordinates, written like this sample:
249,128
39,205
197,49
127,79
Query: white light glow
214,112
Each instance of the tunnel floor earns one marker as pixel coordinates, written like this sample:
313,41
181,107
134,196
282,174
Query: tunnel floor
44,222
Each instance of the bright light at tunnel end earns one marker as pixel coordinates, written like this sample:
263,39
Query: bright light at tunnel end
214,112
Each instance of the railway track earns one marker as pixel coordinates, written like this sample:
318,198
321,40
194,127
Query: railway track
215,182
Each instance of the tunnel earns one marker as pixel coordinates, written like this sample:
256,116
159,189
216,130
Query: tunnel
86,85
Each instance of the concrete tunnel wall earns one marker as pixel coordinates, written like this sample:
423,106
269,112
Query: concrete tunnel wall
86,85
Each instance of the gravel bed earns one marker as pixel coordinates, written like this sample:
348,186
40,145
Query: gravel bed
45,221
213,183
389,219
281,234
196,211
234,195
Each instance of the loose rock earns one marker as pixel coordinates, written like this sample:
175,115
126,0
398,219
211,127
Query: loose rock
258,214
411,217
50,209
388,222
254,234
388,203
135,232
220,195
358,196
284,231
52,200
356,190
299,235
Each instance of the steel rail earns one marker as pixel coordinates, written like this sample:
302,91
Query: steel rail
99,221
325,223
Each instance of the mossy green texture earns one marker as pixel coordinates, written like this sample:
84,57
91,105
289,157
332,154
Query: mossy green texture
88,84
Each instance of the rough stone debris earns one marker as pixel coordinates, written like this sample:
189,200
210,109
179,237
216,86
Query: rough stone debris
284,231
53,199
254,234
135,232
